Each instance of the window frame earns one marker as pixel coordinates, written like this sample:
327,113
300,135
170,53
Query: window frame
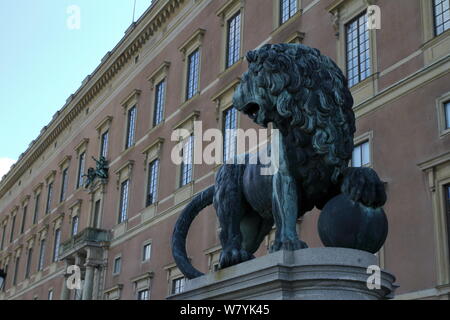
229,135
123,204
114,269
358,56
56,245
81,169
130,139
147,295
186,177
104,143
435,17
180,287
159,102
64,184
290,14
237,36
29,262
48,204
152,182
193,73
41,260
144,251
24,218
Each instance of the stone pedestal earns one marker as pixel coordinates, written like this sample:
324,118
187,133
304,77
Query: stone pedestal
308,274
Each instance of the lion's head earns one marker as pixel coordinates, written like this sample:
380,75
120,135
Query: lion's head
296,87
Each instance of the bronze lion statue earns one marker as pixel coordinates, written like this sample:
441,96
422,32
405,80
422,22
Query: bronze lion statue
306,97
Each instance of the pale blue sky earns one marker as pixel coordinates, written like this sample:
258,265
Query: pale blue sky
42,61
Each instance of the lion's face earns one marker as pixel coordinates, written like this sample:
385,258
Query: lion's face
300,90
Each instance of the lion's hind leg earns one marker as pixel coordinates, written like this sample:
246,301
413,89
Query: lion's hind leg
229,205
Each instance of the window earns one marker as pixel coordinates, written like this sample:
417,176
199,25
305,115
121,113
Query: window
441,16
124,188
16,271
29,260
229,126
5,269
75,221
193,74
131,127
234,39
152,188
361,155
81,165
159,103
49,197
447,207
447,114
117,265
50,295
177,285
36,208
13,226
96,221
104,144
41,255
146,252
56,245
3,237
24,219
186,165
287,9
358,50
143,294
64,180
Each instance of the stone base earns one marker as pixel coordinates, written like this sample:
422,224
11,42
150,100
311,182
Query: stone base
307,274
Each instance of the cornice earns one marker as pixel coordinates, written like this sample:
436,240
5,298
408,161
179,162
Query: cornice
135,37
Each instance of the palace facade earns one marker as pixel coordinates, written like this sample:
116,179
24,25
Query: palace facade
180,63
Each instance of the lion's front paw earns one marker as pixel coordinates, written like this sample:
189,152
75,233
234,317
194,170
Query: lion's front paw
234,256
289,245
363,185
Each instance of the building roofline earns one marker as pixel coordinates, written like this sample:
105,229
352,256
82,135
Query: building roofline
135,37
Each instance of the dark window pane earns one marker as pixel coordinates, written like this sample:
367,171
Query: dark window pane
233,39
123,201
447,114
81,167
159,103
104,145
230,126
441,16
49,197
131,127
287,9
358,50
152,188
192,74
186,165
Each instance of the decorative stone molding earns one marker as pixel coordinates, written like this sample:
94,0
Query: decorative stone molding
159,74
131,100
192,43
153,151
124,172
105,123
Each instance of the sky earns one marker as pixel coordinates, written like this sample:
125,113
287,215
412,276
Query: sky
45,54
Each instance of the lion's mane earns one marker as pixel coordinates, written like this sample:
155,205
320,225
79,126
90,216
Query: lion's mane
306,96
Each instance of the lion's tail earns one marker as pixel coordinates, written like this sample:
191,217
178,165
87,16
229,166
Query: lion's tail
200,201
